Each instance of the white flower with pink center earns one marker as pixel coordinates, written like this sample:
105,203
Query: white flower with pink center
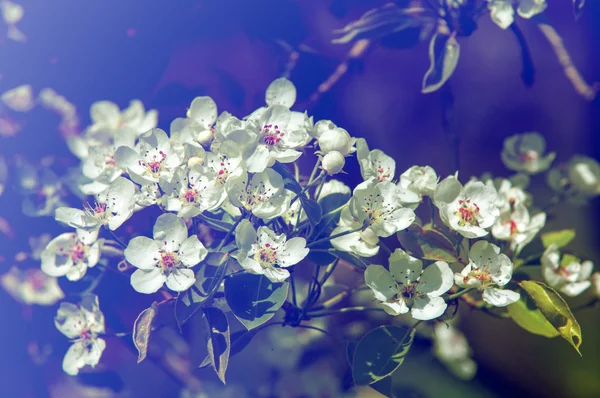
71,254
525,152
488,270
374,163
153,158
192,191
108,119
518,227
31,286
168,258
377,206
263,194
82,324
422,180
223,163
407,287
111,208
266,253
469,210
566,273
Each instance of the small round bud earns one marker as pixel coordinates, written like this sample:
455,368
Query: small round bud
333,162
337,139
194,161
204,137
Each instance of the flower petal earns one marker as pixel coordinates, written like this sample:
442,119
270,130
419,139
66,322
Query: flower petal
147,282
180,279
142,252
426,308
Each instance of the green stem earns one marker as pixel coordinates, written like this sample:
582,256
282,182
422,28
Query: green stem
343,310
327,239
233,227
384,247
459,293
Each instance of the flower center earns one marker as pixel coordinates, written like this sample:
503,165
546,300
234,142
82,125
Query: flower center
110,160
528,156
168,261
190,195
563,271
154,164
409,291
267,255
376,209
383,174
78,252
482,274
272,135
467,212
97,211
513,227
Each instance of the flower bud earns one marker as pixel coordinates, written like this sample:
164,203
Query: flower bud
333,162
204,137
338,140
194,161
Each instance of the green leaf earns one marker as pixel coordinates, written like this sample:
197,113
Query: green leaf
219,343
208,278
379,22
312,209
239,341
329,221
380,352
559,238
254,299
444,52
525,314
427,244
289,180
141,330
556,311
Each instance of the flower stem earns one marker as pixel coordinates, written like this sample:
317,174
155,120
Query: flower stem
459,293
343,310
327,239
226,238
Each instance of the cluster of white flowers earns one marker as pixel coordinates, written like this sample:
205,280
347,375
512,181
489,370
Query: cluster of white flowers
241,179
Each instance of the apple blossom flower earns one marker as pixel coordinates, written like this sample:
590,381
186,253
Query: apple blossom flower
525,152
469,210
263,194
364,243
407,287
31,286
107,119
223,162
147,195
165,259
518,227
419,179
452,349
566,273
510,192
82,324
153,158
374,163
488,269
12,13
263,252
71,254
376,205
42,189
192,191
112,208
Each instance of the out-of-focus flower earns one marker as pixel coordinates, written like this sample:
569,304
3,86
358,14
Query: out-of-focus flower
452,349
19,99
502,11
584,176
165,259
82,324
12,13
469,210
42,189
407,287
518,227
3,174
525,152
263,252
71,254
107,119
566,273
31,286
488,269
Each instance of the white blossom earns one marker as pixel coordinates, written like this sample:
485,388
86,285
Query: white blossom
82,324
263,252
108,119
112,208
377,206
419,179
469,210
584,176
262,194
488,269
19,99
452,349
518,227
364,243
407,287
374,163
12,14
502,12
333,163
525,152
71,254
165,259
566,273
31,286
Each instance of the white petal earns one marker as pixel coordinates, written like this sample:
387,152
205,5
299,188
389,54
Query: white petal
69,320
436,280
203,111
276,275
380,281
258,160
426,308
404,268
294,251
395,307
74,358
147,281
245,235
251,265
170,230
500,297
105,112
575,289
180,279
192,251
281,92
142,252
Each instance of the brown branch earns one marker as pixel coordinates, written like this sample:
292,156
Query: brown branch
579,84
